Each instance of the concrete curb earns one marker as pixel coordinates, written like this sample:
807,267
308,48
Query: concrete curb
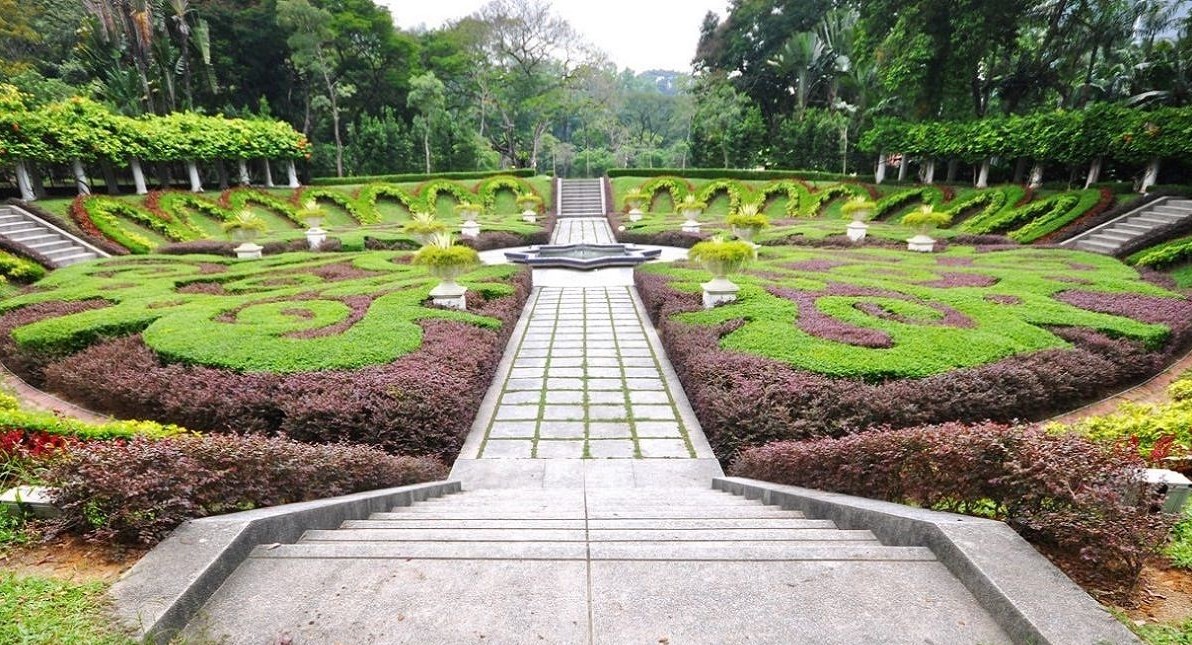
1032,600
164,590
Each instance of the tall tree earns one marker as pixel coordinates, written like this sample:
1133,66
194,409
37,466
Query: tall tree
427,96
310,34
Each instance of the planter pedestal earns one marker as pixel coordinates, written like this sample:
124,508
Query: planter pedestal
470,229
450,294
920,243
718,292
635,215
248,251
691,226
315,237
856,231
530,216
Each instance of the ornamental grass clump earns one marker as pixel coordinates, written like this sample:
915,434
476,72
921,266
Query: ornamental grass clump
721,257
244,226
445,259
635,199
468,211
858,209
925,219
529,202
311,213
423,227
1078,502
747,222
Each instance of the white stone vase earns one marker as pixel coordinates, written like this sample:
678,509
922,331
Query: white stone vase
635,215
718,291
691,225
470,228
921,243
248,251
856,231
449,293
315,237
529,216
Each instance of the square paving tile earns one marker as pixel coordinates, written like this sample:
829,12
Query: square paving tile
605,384
658,429
567,351
564,384
604,361
512,430
523,384
610,430
615,397
526,372
641,372
604,372
655,448
563,412
644,384
610,448
561,430
566,449
521,397
637,361
516,412
636,351
566,372
662,412
521,361
508,449
564,396
603,412
649,397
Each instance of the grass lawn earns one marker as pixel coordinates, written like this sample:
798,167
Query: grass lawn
45,611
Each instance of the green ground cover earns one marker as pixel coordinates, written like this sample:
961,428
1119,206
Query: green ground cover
876,314
142,223
812,209
45,611
290,313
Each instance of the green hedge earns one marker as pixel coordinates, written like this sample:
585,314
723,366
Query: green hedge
416,177
729,173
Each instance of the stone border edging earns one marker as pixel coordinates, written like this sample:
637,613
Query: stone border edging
1032,600
160,594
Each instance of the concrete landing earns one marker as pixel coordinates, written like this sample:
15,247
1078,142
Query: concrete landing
608,566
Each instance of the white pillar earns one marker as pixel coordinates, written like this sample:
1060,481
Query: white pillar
1151,176
903,164
268,175
138,175
880,175
929,171
243,166
192,169
1036,175
25,182
80,175
292,173
1094,172
983,174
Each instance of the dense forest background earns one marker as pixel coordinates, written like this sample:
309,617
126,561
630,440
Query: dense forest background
777,83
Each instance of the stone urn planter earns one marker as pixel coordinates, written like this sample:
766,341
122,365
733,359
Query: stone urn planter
634,201
924,220
313,217
746,223
859,210
530,204
423,227
721,258
691,209
244,228
447,261
469,213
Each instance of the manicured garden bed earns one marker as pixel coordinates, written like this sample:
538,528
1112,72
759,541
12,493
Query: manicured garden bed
830,342
355,213
320,347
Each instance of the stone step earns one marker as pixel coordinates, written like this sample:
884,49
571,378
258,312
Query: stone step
1127,225
1175,211
43,235
448,514
74,259
521,551
582,535
22,228
1180,203
792,524
1097,247
55,245
1110,234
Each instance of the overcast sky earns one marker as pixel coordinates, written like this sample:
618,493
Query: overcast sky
639,34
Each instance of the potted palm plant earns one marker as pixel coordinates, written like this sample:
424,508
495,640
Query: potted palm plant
447,261
423,227
530,205
468,212
312,215
721,257
244,227
858,209
924,220
747,222
635,199
691,208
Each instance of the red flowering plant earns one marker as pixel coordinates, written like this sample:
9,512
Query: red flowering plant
25,453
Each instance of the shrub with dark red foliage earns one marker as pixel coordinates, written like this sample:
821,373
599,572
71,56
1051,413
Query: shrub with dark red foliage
228,249
744,400
138,491
1078,502
421,404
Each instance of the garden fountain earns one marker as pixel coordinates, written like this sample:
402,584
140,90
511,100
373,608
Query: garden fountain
557,265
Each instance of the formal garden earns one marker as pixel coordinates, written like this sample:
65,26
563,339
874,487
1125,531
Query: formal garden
880,293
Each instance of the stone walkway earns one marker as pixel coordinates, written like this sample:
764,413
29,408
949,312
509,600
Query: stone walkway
583,230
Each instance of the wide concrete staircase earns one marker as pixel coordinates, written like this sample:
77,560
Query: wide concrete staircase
581,198
61,247
659,565
1112,236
